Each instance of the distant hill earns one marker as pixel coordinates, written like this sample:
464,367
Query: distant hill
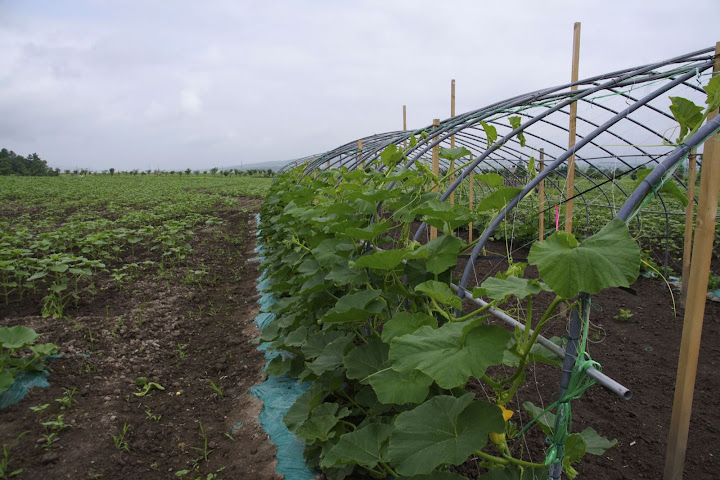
259,166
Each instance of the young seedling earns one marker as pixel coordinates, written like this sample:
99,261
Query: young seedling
39,408
218,390
120,440
205,450
67,399
624,315
5,471
151,416
180,349
144,386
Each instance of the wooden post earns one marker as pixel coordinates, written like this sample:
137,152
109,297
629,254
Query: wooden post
541,199
572,130
436,171
695,308
360,162
470,203
404,124
689,211
452,138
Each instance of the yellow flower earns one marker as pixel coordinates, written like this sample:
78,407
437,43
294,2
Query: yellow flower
499,438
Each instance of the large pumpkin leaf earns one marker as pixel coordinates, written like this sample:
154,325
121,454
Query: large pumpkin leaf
17,336
365,446
393,387
450,354
687,114
713,93
6,381
490,133
610,258
332,355
443,430
516,122
442,253
380,260
453,153
354,307
492,179
404,323
499,288
596,443
369,364
498,199
440,292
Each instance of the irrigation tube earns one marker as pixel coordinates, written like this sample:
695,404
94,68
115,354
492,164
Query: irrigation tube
592,372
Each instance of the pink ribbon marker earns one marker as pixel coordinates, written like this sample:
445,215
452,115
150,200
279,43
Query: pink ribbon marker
557,218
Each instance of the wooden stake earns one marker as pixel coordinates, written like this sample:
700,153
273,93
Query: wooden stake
470,203
541,199
695,308
436,171
404,124
689,211
452,138
572,130
360,162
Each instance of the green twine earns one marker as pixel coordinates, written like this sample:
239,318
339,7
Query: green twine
578,384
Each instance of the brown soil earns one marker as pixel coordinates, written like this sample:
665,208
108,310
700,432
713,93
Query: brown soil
181,335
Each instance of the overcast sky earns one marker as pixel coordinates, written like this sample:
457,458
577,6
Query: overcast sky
196,84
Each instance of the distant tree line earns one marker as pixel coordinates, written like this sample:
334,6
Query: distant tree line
31,166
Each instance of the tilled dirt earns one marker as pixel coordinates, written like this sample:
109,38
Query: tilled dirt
181,334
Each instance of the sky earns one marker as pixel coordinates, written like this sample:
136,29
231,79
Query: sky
176,84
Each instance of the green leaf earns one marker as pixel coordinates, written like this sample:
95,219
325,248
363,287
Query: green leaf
391,155
404,323
610,258
341,274
546,420
17,337
322,419
687,114
440,292
6,381
516,122
300,410
366,359
596,444
669,187
713,93
450,354
575,447
365,446
332,355
498,199
442,253
454,153
443,430
442,215
498,288
369,364
380,260
354,307
491,179
370,232
490,133
393,387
